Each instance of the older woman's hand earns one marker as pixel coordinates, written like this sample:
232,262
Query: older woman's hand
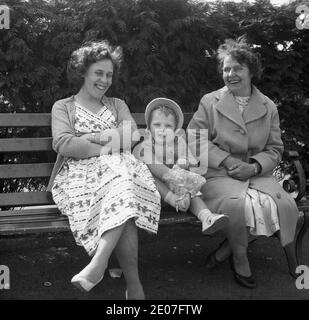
241,171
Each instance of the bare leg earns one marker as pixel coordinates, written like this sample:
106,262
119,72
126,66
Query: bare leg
197,205
127,255
96,268
162,188
225,249
237,236
239,250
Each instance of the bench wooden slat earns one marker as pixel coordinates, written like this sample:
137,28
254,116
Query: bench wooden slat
25,144
26,170
21,120
50,219
140,118
34,227
25,198
168,218
303,205
34,218
16,120
30,211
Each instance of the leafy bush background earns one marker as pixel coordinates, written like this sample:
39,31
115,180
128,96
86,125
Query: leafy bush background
169,49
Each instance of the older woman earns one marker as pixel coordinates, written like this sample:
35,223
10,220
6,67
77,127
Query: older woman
103,189
244,146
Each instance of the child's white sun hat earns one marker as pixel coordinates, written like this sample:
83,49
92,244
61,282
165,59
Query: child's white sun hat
168,103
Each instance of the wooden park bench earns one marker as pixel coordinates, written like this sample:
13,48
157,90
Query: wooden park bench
34,211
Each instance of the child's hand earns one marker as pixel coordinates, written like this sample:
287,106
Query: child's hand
183,163
183,202
182,181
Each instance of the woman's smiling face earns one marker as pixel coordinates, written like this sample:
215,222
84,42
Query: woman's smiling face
236,77
98,78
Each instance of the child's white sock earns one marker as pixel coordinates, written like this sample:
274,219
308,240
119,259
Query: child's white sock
212,222
204,214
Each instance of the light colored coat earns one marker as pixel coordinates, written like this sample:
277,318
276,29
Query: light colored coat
255,136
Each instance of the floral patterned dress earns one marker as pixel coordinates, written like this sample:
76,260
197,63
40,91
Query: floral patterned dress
100,193
261,211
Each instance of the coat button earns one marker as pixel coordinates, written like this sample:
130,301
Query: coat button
242,131
279,195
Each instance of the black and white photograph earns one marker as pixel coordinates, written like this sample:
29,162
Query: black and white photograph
154,150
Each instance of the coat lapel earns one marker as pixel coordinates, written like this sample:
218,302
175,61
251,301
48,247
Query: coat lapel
228,107
256,108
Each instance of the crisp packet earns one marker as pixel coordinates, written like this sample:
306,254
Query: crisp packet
181,181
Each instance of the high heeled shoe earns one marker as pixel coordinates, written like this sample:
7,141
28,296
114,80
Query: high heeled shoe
83,284
247,282
211,260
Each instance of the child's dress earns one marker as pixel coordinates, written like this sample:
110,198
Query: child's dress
100,193
178,180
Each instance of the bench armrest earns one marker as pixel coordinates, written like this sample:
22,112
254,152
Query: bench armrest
298,180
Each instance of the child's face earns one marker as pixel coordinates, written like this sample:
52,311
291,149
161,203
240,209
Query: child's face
162,127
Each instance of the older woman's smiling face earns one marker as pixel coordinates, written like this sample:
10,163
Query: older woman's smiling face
236,77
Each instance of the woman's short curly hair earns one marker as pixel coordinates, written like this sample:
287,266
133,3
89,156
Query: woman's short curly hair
89,53
241,51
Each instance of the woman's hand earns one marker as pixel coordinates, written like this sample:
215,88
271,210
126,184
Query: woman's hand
229,162
86,136
105,150
111,138
241,171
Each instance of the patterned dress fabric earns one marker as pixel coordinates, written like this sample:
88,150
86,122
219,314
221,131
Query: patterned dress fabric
261,212
100,193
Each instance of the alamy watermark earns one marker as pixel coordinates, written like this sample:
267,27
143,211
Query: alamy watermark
302,282
161,143
4,17
4,277
302,21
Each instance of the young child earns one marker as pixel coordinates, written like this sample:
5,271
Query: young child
173,165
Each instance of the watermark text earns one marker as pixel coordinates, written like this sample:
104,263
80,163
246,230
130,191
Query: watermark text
4,17
302,21
302,282
4,277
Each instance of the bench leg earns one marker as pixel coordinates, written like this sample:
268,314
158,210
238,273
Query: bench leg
290,253
300,236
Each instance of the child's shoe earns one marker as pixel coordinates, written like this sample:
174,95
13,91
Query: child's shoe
213,222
